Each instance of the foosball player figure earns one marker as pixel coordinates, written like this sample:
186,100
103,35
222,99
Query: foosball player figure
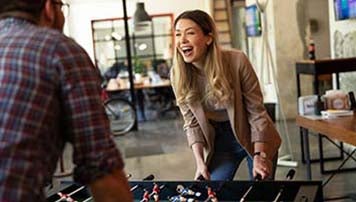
65,197
211,195
146,196
179,198
155,192
186,191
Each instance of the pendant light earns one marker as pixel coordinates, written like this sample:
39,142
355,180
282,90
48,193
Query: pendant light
141,19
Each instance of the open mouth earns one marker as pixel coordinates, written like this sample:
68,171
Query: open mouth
187,50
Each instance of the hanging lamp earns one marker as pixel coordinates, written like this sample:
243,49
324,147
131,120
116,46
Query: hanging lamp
141,19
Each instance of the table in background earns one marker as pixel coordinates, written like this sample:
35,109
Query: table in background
145,85
341,128
317,68
139,87
321,67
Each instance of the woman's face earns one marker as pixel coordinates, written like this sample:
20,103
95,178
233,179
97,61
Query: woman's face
191,42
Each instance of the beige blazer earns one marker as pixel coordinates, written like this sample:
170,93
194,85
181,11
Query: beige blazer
247,114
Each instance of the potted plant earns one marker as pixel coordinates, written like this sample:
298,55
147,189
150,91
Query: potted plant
139,68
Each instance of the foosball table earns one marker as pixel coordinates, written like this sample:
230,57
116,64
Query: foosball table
205,191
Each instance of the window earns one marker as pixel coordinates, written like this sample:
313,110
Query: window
147,46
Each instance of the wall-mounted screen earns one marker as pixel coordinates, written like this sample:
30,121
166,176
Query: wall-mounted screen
253,21
345,9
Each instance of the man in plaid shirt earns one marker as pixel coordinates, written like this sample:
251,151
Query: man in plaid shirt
50,95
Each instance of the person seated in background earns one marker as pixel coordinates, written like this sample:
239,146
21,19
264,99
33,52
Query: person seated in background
161,99
50,96
220,99
114,70
161,67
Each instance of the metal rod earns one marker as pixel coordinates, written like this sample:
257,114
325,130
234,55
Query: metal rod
129,61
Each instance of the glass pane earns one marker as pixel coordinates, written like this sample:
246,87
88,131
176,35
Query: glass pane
119,26
143,47
162,25
153,42
163,47
105,54
102,24
103,30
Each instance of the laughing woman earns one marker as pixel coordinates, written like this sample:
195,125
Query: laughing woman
220,99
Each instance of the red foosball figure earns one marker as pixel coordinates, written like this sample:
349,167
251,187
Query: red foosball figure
145,197
212,195
155,192
66,197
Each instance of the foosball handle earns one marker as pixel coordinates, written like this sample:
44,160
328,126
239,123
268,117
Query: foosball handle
149,178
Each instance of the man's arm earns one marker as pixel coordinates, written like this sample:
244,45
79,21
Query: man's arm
111,188
98,162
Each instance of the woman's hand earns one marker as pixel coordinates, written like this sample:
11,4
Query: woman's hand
261,166
202,171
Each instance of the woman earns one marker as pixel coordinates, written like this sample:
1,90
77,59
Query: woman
219,97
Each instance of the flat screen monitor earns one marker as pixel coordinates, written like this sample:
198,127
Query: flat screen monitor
345,9
253,21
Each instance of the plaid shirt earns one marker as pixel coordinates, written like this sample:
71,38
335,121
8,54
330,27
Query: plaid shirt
49,95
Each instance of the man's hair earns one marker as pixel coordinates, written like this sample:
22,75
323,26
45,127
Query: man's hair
32,7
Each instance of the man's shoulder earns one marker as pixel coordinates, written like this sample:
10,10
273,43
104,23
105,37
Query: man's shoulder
54,37
59,43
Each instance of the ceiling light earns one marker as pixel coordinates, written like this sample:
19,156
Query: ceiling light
141,19
142,46
116,36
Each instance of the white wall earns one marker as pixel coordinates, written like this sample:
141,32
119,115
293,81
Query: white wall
286,33
83,11
255,52
317,9
289,49
286,48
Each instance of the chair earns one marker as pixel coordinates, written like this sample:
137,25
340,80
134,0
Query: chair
161,100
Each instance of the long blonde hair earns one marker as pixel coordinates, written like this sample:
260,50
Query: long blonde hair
184,75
